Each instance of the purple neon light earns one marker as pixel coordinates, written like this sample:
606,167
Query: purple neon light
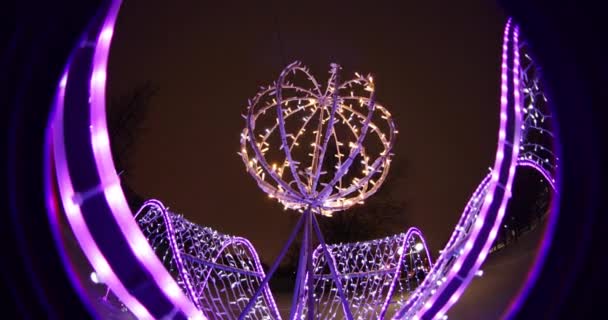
371,271
411,232
115,197
258,268
207,246
52,195
172,242
75,219
423,300
541,167
436,275
110,180
529,158
498,164
111,188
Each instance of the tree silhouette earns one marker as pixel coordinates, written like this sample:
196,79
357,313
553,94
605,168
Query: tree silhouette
126,115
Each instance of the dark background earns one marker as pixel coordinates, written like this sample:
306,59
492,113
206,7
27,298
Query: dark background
435,63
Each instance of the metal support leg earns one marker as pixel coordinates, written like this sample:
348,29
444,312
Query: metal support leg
310,271
299,290
274,267
333,270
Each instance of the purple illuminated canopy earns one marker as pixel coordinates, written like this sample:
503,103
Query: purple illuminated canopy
189,271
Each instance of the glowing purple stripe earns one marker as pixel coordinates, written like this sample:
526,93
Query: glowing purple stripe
453,275
173,244
258,266
481,188
111,188
53,196
411,232
76,220
430,280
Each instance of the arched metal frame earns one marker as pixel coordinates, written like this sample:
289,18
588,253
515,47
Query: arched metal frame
333,108
478,227
373,272
213,269
533,153
91,193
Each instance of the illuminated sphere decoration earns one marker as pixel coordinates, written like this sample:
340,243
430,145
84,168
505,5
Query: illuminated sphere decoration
314,148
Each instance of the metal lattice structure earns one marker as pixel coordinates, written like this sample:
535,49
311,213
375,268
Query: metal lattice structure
218,272
342,122
348,138
536,150
537,146
177,286
377,276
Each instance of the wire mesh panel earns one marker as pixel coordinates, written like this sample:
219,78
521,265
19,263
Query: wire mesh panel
377,276
220,273
536,150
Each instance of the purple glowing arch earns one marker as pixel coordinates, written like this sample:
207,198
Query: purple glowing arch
376,275
532,146
96,208
218,272
478,227
90,190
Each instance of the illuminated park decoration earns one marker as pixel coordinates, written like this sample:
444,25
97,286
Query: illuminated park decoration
333,150
336,123
124,252
538,135
218,272
535,142
377,275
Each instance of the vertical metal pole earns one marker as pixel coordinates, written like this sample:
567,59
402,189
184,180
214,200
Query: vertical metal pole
310,271
333,270
298,292
274,267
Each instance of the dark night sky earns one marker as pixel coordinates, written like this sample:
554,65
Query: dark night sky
435,64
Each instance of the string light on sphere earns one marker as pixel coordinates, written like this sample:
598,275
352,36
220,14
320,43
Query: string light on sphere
326,149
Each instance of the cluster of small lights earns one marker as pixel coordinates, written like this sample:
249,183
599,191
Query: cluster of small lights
447,268
377,276
219,272
455,247
536,144
338,122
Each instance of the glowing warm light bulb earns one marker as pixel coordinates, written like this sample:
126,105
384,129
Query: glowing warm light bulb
329,116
